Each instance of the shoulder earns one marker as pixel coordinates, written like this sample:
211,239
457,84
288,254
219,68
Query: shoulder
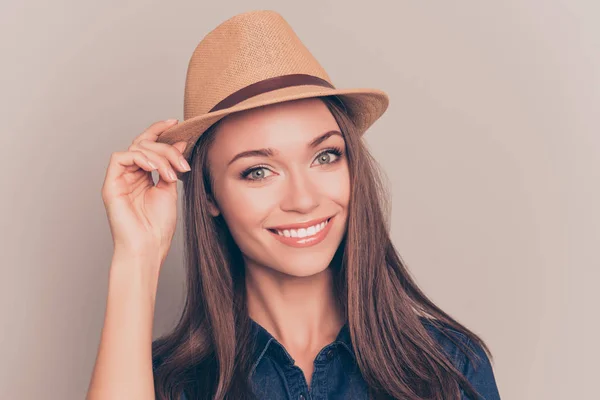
451,340
475,366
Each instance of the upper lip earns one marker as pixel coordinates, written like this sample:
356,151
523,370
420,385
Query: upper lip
301,225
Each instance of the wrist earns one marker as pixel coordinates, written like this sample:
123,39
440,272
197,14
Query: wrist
148,254
137,269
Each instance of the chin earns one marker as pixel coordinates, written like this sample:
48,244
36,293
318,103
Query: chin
303,270
303,263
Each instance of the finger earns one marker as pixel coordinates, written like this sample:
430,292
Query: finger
162,164
171,152
181,146
153,131
126,161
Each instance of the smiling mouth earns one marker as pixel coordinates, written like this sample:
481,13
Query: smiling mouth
297,232
303,237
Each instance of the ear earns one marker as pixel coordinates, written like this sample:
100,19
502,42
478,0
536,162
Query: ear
212,208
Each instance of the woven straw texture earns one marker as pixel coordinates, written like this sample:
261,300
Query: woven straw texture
249,48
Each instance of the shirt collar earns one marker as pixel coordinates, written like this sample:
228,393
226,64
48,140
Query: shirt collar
265,343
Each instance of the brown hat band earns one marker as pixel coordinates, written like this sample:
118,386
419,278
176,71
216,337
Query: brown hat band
267,85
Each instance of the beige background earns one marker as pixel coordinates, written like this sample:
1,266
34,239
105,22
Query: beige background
490,145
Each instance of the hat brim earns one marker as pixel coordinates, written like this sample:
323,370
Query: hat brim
364,107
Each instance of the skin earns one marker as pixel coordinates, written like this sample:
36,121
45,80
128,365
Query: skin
289,289
142,218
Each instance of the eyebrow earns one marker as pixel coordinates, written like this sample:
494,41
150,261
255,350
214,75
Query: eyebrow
268,152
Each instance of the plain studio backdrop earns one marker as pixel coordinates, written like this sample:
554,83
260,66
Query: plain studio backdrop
490,146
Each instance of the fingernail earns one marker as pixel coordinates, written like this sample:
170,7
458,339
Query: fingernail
184,164
170,121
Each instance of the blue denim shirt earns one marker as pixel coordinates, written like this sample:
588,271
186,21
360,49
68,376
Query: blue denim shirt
336,374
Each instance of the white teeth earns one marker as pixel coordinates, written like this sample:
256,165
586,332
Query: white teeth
302,232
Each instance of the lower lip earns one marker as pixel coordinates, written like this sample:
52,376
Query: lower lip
306,241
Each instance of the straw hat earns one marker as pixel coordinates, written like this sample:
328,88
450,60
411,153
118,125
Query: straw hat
254,59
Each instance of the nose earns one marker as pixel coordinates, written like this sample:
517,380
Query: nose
301,193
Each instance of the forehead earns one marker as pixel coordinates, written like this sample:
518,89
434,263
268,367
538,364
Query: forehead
280,126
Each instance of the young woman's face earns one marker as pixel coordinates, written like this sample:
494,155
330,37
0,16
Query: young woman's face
301,179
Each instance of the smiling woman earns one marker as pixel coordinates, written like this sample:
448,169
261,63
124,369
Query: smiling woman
301,184
294,287
294,275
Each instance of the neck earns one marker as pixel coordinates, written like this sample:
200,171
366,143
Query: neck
300,312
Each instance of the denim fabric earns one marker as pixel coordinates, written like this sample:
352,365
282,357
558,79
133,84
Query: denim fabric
336,374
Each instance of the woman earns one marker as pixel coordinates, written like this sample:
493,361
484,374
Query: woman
294,288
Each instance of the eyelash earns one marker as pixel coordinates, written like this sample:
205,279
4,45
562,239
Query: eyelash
334,150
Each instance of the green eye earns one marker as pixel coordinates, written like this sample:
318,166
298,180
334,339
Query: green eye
254,174
324,158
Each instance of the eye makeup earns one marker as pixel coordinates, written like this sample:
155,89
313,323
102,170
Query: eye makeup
337,151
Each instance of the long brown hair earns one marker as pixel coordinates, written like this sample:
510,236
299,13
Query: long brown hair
208,354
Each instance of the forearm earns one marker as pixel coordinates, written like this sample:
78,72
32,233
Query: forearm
123,367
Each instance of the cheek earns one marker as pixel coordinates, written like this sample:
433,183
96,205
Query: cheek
335,186
245,207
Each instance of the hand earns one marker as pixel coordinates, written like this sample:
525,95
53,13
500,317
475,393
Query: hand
143,216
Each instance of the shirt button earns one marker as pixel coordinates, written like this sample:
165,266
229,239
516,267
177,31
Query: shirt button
330,354
301,397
